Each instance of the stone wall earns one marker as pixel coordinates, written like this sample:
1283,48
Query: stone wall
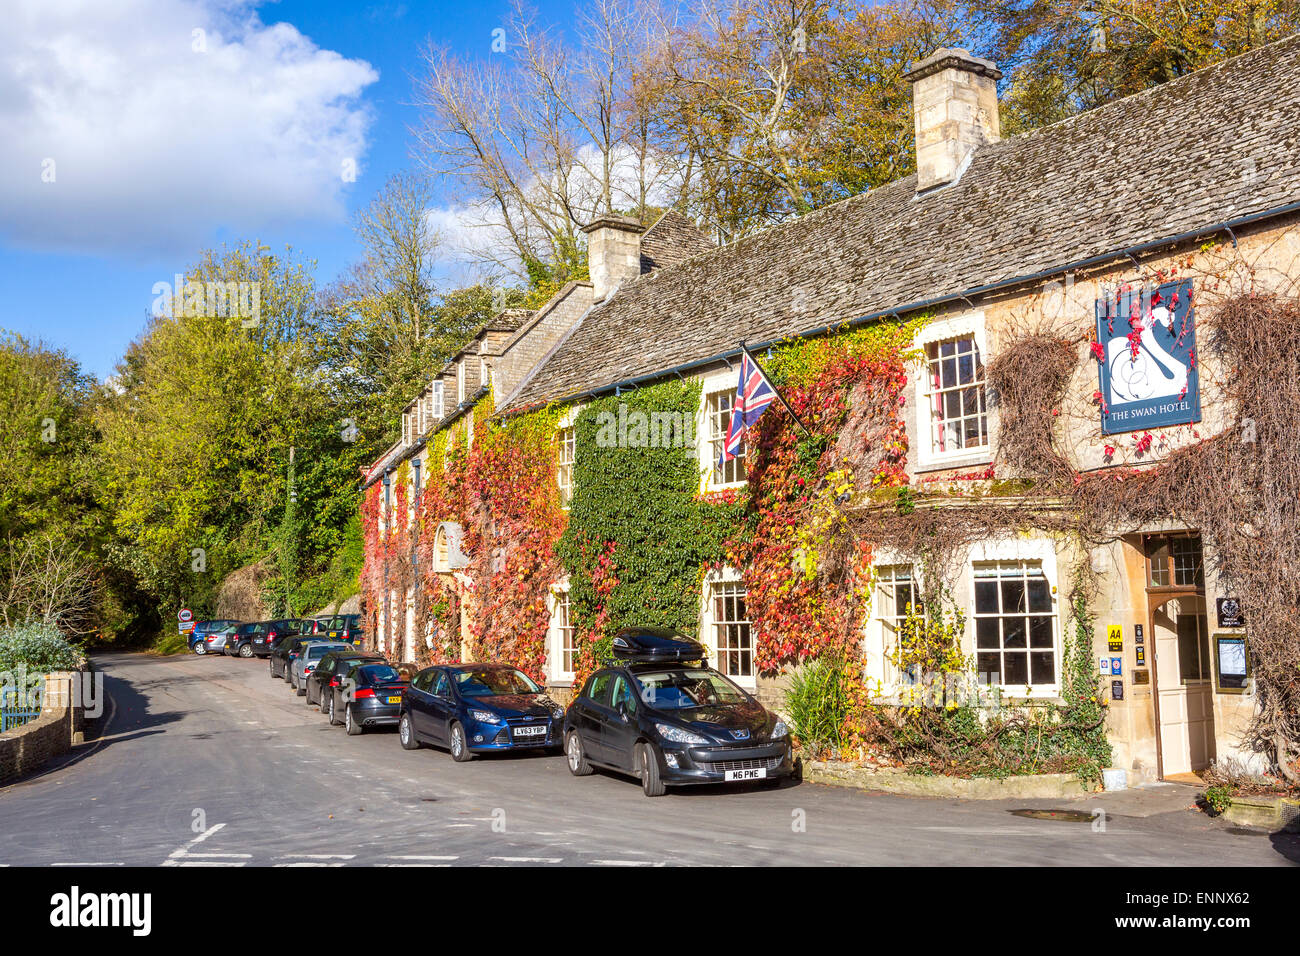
61,725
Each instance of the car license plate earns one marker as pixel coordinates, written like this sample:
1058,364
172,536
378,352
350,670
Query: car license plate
759,773
394,700
538,731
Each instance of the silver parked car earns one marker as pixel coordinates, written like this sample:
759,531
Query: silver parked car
307,660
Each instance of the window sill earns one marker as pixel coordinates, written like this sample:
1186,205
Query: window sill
983,457
726,486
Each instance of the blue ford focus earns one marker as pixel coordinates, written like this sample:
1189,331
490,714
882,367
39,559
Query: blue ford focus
478,708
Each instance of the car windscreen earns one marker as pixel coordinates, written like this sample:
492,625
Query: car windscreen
315,652
491,681
378,673
684,689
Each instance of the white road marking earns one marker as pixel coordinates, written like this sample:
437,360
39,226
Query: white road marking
319,856
79,864
183,851
625,863
419,857
226,863
527,859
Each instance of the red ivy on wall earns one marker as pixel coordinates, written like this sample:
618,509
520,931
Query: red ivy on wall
804,578
502,491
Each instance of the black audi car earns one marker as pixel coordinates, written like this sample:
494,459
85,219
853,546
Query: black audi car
365,693
478,708
286,649
662,715
326,674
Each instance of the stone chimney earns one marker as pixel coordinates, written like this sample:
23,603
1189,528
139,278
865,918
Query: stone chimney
613,253
955,103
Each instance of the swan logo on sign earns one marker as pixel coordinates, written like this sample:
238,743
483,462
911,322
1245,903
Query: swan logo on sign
1146,350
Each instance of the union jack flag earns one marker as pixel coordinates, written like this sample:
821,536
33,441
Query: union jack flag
753,394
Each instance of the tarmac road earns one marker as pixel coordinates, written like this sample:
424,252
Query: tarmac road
210,762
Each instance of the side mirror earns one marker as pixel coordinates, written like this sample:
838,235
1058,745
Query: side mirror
622,710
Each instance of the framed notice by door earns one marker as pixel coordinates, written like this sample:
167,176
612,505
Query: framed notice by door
1232,667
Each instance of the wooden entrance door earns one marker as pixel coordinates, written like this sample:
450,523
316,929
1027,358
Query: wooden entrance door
1180,633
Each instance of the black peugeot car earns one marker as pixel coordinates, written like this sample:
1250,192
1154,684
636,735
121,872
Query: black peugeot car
478,708
663,716
365,694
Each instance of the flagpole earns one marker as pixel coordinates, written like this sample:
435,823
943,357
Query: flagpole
769,381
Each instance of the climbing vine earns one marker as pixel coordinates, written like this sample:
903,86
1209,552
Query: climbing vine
639,535
804,571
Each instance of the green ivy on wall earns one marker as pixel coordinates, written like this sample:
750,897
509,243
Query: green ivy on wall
636,522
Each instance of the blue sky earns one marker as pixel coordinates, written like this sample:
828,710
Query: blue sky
162,140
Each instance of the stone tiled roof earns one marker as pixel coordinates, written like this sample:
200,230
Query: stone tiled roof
1211,147
672,240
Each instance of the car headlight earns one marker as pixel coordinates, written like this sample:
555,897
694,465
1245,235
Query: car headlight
678,736
485,716
779,729
557,712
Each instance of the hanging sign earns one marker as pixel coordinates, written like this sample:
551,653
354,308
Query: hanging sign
1117,666
1105,666
1115,637
1141,657
1117,690
1229,611
1146,357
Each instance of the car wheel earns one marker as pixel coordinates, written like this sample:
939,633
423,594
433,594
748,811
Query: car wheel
577,755
351,726
334,721
201,648
270,665
406,734
246,651
325,705
299,689
459,745
648,764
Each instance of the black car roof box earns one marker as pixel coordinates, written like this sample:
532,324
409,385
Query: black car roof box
655,645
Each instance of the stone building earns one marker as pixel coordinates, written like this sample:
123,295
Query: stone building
1187,188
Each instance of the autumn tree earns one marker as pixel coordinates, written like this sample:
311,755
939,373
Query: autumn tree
1063,56
543,134
777,108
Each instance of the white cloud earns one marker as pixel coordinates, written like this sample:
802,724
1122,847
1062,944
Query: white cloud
163,120
476,245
